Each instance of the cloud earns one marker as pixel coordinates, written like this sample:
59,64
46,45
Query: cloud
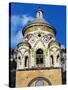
17,24
26,19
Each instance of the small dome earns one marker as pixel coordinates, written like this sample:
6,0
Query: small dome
24,43
52,43
39,21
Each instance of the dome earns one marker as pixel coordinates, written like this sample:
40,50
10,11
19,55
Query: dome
39,21
53,43
24,43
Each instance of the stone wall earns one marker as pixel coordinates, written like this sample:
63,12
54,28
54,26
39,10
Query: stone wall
23,78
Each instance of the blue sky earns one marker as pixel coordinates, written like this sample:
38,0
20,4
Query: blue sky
21,13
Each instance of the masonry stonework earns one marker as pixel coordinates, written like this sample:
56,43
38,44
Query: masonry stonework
23,78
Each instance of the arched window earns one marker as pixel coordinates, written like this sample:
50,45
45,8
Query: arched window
52,60
39,83
26,61
19,58
39,56
58,57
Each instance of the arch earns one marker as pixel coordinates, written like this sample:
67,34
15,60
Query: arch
52,59
39,51
26,61
57,57
27,50
39,56
19,57
39,78
19,52
40,41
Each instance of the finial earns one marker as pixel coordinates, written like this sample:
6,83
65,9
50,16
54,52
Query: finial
39,13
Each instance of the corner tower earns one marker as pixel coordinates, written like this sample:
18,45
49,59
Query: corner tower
38,58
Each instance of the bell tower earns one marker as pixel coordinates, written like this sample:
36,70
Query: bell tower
38,58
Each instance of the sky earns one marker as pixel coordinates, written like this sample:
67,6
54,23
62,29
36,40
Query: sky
21,13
